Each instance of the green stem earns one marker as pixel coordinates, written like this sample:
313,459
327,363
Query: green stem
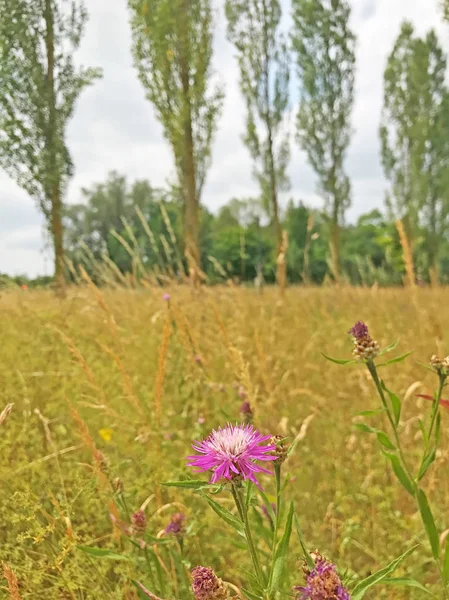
241,507
373,371
436,406
277,521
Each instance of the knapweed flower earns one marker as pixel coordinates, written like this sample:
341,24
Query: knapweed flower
139,521
176,525
281,450
322,583
166,297
232,452
441,365
246,412
207,586
365,348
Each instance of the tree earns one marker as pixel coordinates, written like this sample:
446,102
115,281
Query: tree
430,158
325,52
253,27
172,53
39,87
415,138
396,130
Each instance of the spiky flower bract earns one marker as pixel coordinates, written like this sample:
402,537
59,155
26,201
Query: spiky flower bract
207,586
232,452
365,348
323,583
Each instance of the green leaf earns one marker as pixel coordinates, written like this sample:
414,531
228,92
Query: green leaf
363,586
309,560
395,404
281,552
370,413
389,348
188,484
385,440
400,473
104,553
268,506
224,514
339,361
427,462
429,523
365,428
446,562
395,360
251,595
406,582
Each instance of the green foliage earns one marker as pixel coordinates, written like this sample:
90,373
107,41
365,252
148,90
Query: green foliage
254,29
172,46
39,86
414,134
324,47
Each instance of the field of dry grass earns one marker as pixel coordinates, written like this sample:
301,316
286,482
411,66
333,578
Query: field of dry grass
114,385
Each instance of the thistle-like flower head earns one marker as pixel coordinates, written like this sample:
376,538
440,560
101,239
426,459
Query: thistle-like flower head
323,583
232,452
207,586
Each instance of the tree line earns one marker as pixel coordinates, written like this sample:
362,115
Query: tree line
173,51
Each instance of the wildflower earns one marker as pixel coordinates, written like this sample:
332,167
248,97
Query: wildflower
231,452
322,582
106,434
201,420
365,348
280,452
197,359
176,525
139,521
207,586
246,412
166,297
441,365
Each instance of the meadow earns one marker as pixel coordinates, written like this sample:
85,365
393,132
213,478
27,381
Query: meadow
110,387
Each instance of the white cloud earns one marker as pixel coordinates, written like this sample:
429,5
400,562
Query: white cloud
114,125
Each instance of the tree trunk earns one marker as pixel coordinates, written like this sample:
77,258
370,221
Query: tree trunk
334,244
191,203
58,242
53,184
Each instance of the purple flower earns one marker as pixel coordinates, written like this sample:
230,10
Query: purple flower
139,521
359,331
176,525
323,583
207,586
166,297
232,452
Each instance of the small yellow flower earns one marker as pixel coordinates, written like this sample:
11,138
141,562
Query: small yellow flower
106,434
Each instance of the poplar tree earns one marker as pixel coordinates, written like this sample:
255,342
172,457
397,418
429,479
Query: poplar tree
254,29
324,47
415,139
39,87
172,47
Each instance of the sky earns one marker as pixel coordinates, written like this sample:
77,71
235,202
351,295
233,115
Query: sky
114,127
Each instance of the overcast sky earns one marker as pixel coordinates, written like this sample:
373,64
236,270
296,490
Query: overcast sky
114,126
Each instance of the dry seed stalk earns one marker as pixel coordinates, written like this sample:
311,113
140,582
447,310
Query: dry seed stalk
128,386
407,253
13,584
161,369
